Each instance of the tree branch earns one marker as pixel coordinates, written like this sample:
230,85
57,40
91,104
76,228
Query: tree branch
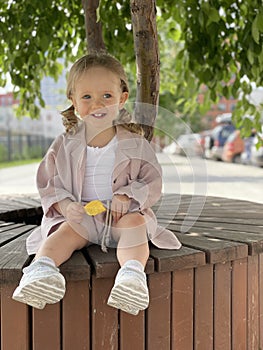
143,14
93,27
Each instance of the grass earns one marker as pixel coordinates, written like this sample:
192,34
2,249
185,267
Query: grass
18,163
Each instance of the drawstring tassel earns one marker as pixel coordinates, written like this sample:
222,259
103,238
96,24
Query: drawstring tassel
106,230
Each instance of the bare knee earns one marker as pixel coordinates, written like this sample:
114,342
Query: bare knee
131,220
72,237
61,244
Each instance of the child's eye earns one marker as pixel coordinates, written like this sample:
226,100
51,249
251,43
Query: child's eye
86,97
107,96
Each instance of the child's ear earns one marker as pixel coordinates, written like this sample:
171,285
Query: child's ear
123,99
73,101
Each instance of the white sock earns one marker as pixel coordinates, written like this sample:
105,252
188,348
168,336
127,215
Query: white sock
43,259
46,260
135,265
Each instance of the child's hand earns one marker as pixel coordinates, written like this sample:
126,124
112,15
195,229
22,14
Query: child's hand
75,212
119,206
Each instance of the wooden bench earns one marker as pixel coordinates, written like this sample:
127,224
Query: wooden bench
208,295
23,208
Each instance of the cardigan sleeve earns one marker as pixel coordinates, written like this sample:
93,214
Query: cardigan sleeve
50,182
146,188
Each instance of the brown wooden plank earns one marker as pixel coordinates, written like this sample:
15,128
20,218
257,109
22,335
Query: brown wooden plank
106,265
46,328
261,301
188,225
170,260
236,218
14,321
76,268
222,306
252,240
159,311
182,310
253,302
239,304
203,314
13,233
5,226
13,257
216,250
243,213
219,226
132,331
104,333
76,316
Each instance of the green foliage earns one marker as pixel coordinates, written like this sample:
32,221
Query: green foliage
216,43
222,47
34,35
3,153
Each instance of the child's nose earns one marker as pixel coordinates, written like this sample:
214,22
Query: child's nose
98,104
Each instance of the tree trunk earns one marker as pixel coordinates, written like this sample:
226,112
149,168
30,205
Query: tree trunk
143,14
93,27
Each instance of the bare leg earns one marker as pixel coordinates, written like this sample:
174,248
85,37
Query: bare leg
60,245
130,231
130,291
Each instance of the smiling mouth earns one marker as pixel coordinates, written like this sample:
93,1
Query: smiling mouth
98,115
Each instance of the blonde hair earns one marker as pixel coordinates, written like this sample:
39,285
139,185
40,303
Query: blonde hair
70,120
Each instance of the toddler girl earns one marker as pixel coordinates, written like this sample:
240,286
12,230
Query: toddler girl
101,156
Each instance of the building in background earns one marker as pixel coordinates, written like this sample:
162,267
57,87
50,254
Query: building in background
224,106
24,137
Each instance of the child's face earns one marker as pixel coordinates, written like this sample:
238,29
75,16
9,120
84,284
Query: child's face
98,97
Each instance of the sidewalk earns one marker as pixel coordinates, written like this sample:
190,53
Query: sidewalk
180,175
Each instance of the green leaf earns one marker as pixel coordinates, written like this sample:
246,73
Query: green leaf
255,30
226,91
250,56
259,20
213,15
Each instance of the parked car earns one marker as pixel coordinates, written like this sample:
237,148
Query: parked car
189,145
219,136
186,144
233,148
206,142
170,149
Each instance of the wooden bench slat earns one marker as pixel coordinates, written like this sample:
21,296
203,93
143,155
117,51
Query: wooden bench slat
106,264
170,260
46,330
13,233
182,328
104,330
15,324
203,301
252,240
222,306
239,303
211,214
6,226
132,331
76,268
159,315
76,311
13,257
212,219
216,250
253,302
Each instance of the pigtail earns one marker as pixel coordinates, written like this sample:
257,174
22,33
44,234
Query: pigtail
125,120
69,119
